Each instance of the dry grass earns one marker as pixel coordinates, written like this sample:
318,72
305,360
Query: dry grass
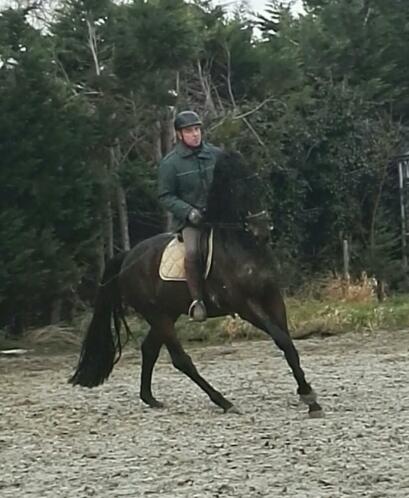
237,329
325,308
330,288
53,338
54,335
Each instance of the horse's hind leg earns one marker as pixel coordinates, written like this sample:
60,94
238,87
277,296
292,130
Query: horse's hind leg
278,331
150,351
182,361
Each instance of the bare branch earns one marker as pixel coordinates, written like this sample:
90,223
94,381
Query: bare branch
92,42
252,111
219,100
206,88
64,72
228,77
253,131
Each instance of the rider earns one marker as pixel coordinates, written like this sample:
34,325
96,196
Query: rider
185,176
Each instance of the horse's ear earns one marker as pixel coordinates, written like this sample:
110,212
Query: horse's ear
228,159
222,166
236,155
230,166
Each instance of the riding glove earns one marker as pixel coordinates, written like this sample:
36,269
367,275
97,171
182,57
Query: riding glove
195,217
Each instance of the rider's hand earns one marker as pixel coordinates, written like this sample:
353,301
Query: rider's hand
195,217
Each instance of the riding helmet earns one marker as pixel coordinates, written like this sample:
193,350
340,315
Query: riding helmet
185,119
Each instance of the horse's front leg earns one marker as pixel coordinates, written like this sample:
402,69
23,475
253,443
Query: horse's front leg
279,333
182,361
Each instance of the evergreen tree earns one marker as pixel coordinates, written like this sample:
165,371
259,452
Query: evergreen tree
47,201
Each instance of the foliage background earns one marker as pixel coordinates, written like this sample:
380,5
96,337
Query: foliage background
319,104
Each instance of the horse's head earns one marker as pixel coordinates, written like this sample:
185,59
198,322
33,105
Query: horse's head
251,202
260,226
238,198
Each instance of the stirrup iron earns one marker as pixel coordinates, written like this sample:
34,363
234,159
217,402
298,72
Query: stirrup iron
197,311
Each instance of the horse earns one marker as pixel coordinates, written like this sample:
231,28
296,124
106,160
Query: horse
241,282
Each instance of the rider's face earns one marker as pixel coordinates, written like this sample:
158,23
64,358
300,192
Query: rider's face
191,136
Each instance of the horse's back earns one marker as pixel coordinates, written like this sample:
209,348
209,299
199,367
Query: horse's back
139,276
148,250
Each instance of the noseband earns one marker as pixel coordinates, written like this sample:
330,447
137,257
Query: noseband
260,214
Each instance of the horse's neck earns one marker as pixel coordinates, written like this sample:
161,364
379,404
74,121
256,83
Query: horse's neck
222,217
238,245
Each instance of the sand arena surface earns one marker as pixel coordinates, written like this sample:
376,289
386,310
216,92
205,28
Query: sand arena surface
56,440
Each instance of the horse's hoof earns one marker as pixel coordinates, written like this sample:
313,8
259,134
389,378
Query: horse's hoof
316,413
233,410
153,403
157,404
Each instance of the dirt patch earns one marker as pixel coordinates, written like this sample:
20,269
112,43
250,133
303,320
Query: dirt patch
56,440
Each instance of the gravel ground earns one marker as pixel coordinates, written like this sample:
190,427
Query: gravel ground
56,440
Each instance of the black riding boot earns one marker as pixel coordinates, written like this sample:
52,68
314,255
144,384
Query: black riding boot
197,310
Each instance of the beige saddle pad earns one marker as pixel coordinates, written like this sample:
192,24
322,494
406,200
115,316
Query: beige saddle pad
172,263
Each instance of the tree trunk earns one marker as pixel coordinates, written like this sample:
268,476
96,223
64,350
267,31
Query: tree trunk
109,230
123,217
157,141
380,290
101,257
109,226
55,314
122,206
346,277
169,137
16,326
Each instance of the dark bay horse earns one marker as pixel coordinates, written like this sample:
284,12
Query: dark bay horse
241,281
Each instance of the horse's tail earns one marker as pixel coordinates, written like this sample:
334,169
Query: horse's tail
102,347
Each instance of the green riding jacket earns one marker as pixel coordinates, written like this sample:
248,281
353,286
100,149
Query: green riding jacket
185,177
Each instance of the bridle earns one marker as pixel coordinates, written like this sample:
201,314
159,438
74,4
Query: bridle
261,216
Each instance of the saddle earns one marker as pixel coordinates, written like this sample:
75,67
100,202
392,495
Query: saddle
172,266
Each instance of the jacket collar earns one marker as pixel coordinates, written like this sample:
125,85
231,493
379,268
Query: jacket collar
202,153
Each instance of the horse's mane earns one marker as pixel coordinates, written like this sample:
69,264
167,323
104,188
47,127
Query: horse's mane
232,195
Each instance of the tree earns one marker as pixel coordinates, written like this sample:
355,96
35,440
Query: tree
47,201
